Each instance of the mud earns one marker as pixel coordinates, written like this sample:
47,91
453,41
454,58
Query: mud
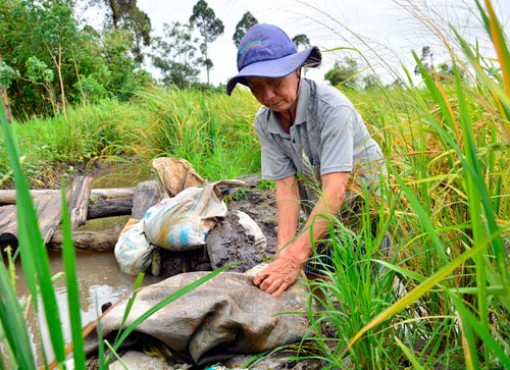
260,206
227,241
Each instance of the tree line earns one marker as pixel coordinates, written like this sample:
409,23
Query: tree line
51,59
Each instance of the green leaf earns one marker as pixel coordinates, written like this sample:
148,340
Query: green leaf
14,324
73,293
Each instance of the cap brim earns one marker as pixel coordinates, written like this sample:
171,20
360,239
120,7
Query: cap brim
276,68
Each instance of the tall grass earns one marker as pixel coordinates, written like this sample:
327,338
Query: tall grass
212,131
447,209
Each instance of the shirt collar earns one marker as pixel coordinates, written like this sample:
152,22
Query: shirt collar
302,103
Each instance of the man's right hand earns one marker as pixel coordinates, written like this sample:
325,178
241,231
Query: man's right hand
280,274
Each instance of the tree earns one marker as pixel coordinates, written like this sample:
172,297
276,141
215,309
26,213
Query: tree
246,22
209,27
175,55
302,41
49,62
427,60
42,31
126,15
344,73
370,82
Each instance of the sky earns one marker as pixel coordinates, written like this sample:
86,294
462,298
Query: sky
384,32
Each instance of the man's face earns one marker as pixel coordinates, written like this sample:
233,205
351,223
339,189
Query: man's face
277,94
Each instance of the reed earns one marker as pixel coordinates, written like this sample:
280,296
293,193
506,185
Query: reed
447,209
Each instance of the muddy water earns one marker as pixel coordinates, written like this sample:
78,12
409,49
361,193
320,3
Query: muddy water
99,277
100,281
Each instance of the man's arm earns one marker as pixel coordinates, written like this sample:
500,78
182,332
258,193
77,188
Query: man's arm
287,204
293,252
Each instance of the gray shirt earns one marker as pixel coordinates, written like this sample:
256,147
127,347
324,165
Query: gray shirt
327,136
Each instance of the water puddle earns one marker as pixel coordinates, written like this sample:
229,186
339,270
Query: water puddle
99,277
100,281
120,175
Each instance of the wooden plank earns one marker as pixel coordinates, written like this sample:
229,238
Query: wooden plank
49,214
79,200
49,206
9,196
147,194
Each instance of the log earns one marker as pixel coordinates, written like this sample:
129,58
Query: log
110,208
8,225
79,200
9,196
97,241
147,194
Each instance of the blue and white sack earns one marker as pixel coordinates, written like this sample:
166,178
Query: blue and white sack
181,223
133,251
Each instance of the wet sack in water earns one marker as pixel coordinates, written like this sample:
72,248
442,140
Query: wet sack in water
219,319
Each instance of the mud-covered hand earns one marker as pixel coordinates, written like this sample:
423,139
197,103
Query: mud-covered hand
279,274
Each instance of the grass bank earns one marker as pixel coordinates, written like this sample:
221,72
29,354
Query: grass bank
212,131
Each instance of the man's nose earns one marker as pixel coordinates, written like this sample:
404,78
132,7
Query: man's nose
268,93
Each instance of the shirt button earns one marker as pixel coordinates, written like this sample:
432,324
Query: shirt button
293,141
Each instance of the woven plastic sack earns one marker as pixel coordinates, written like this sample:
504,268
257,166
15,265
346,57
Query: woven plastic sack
181,223
225,316
133,251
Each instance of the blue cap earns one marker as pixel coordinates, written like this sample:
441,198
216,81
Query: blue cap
267,51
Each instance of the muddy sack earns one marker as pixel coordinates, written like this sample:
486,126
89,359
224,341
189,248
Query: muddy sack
221,318
133,251
181,223
176,174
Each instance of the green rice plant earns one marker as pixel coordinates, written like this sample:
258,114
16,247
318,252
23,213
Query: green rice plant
447,144
355,290
33,254
464,221
14,330
73,295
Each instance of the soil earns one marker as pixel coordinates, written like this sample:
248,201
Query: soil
260,206
228,238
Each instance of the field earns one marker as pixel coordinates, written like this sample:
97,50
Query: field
446,143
